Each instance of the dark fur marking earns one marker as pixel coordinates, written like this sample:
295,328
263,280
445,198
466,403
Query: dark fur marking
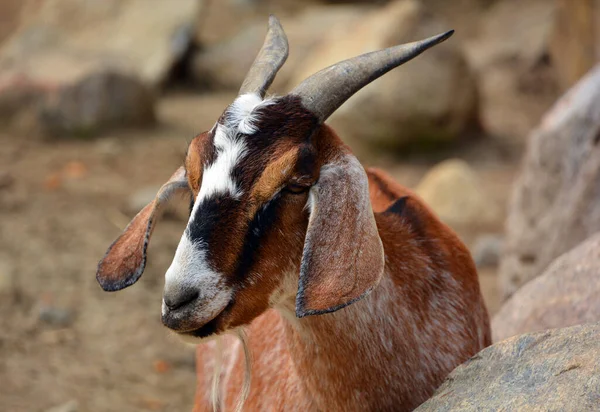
263,220
397,207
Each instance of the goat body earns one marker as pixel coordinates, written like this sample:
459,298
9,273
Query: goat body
352,295
388,351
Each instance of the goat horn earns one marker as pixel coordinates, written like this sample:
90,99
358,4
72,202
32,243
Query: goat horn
271,57
325,91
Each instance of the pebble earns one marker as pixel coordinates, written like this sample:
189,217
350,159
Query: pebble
487,250
57,317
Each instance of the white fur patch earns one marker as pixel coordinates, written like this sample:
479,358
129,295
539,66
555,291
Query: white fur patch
217,178
241,115
229,141
190,269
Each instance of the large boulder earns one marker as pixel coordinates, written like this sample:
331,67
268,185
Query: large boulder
77,66
556,200
567,294
509,55
225,64
431,100
556,370
457,195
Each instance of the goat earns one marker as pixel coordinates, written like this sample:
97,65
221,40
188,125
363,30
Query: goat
347,292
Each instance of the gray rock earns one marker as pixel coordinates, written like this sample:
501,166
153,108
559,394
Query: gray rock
487,249
555,204
6,180
566,294
94,104
429,101
83,66
225,64
516,83
7,279
557,370
56,317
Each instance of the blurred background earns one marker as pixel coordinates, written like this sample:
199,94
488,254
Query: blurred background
99,98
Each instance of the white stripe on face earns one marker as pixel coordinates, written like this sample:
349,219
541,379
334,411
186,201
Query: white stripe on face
240,120
190,267
217,178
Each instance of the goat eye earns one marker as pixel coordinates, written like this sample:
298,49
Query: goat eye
296,189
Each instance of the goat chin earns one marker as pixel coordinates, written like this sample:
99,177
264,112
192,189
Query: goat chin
193,340
215,395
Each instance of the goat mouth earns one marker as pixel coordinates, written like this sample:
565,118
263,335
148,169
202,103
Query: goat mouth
204,331
211,327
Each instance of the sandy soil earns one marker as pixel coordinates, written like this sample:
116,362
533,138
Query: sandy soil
66,202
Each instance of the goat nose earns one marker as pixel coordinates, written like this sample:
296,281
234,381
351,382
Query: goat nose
180,298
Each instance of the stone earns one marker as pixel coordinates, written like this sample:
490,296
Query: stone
55,316
487,249
427,102
556,370
225,64
457,196
94,104
82,66
515,77
566,294
572,45
555,203
70,406
7,279
6,180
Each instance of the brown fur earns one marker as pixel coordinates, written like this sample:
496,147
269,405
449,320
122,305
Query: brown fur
415,308
395,357
125,259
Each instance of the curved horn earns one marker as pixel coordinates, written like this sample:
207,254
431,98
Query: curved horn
271,57
325,91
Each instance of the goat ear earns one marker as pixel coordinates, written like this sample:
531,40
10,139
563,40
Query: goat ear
343,256
125,259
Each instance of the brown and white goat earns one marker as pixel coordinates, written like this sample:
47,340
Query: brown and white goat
346,291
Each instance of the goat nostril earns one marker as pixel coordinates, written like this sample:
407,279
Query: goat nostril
178,300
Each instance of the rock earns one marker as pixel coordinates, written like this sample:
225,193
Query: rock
566,294
557,370
80,66
70,406
515,76
572,42
7,279
431,100
225,64
6,180
555,203
94,104
487,249
455,193
57,317
10,14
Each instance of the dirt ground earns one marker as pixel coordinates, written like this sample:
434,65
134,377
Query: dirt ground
61,204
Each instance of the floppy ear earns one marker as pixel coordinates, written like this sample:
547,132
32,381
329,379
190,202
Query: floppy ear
125,259
343,256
